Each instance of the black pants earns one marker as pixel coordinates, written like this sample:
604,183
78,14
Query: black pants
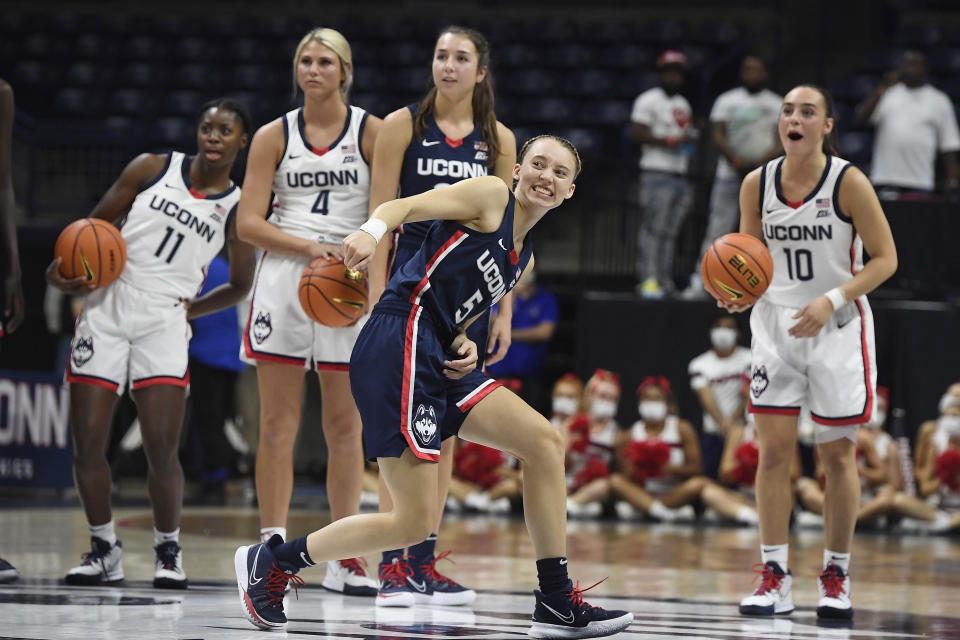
213,399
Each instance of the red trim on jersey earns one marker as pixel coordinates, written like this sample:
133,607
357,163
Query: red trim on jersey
424,284
453,143
196,194
331,366
158,380
99,382
480,395
409,370
319,152
514,258
795,205
777,411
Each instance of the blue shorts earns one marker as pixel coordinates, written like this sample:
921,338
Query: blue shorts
479,329
396,374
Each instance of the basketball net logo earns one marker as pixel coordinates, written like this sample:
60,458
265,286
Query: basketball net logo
82,351
262,328
425,424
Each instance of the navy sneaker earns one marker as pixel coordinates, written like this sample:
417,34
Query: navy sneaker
565,615
262,579
8,573
440,589
168,566
395,590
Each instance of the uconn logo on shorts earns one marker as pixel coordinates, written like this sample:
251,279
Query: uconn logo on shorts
262,327
759,381
82,350
425,424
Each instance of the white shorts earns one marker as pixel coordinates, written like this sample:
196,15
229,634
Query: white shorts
832,374
279,330
125,334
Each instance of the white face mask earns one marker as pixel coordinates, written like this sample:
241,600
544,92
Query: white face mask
601,408
723,338
565,405
950,425
653,410
947,401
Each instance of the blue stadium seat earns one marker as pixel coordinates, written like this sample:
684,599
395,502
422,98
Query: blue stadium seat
256,76
176,133
634,84
604,112
853,88
857,147
528,82
129,102
73,101
587,141
628,56
192,49
604,32
246,49
946,61
145,47
415,79
518,55
716,33
85,74
140,74
919,35
197,76
572,55
182,103
950,86
32,73
119,128
880,61
552,111
589,82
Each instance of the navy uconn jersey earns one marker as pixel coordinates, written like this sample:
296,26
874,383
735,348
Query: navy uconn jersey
459,273
322,194
172,232
434,162
813,243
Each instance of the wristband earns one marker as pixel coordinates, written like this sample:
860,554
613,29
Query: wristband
375,227
836,298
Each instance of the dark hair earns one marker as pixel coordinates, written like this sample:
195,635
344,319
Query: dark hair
721,318
482,95
563,141
230,105
830,145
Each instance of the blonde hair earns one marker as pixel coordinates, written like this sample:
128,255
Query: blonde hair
335,41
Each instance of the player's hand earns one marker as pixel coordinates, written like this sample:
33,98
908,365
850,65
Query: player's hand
734,308
75,286
326,250
11,314
812,318
500,338
358,249
466,349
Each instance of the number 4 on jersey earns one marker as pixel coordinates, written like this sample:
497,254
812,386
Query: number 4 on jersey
320,206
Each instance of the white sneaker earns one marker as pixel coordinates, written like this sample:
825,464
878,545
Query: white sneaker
349,578
8,572
500,505
102,564
477,501
369,499
684,514
809,520
589,510
834,587
168,566
625,510
773,596
453,505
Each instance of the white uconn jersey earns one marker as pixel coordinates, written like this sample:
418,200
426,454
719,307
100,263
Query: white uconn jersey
322,192
173,232
813,243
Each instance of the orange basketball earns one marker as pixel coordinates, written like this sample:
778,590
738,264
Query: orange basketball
737,268
91,248
331,294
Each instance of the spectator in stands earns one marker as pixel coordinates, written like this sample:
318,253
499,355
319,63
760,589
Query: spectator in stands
661,122
914,123
535,315
567,400
719,376
744,129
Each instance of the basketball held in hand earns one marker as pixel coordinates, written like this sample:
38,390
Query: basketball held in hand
333,295
93,249
736,269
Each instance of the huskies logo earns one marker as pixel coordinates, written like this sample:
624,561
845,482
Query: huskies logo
262,327
82,351
425,424
759,381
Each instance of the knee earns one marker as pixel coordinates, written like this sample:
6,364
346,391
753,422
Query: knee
545,444
773,457
837,461
277,435
413,525
343,436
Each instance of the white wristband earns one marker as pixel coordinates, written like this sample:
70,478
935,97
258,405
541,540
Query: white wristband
836,298
375,227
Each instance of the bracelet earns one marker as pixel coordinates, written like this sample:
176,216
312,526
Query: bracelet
836,298
375,227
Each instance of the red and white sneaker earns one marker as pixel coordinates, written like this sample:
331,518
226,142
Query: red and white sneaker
349,578
834,587
773,596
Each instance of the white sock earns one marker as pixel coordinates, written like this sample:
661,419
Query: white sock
105,532
267,532
775,553
661,512
159,537
941,522
746,514
841,560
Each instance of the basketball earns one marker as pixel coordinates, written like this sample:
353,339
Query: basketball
331,294
736,269
93,249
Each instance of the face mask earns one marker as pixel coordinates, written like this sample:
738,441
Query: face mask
603,408
950,425
948,401
653,410
565,405
723,338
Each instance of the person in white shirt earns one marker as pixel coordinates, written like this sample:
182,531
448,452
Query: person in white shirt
661,122
718,377
914,123
744,131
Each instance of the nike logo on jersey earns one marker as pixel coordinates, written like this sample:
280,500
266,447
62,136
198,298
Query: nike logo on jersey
170,186
564,618
419,586
293,157
500,242
253,570
430,143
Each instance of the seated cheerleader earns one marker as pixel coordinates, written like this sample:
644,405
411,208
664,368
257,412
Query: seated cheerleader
485,479
567,400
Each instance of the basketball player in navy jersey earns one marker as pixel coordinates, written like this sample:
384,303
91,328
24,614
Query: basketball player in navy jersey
314,163
813,341
178,211
413,364
451,135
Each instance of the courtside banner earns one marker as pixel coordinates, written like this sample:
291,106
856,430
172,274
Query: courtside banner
35,443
